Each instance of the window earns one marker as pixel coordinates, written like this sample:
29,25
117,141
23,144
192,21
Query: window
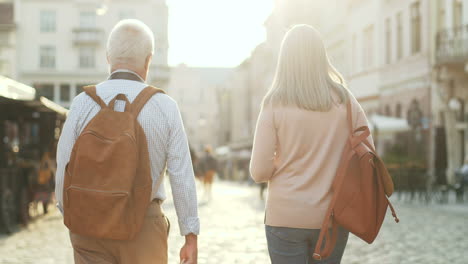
45,89
126,14
415,28
398,110
87,59
388,41
65,93
47,23
368,47
388,112
399,35
87,19
441,10
47,57
79,87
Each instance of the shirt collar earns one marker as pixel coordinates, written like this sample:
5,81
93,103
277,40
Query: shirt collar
127,71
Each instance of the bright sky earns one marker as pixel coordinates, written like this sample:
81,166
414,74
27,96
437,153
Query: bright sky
215,33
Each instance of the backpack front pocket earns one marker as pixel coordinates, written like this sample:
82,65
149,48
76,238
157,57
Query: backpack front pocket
98,213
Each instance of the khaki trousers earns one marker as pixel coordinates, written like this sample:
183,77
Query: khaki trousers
149,246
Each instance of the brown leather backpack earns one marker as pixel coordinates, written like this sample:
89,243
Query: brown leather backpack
360,190
108,184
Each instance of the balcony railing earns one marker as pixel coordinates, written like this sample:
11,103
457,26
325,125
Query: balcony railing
88,36
452,45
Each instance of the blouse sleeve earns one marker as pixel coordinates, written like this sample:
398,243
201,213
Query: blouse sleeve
264,147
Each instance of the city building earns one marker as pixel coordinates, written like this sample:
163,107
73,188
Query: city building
197,92
249,82
7,40
408,60
450,82
60,46
405,61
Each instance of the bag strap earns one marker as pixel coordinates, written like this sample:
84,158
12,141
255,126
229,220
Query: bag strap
349,113
143,97
90,90
348,153
330,242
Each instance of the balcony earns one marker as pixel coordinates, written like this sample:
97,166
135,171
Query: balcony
452,46
88,36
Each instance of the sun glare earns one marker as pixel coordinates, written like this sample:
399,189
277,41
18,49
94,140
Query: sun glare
215,33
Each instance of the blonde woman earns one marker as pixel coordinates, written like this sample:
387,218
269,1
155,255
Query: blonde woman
301,133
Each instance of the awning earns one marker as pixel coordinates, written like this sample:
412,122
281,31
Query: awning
388,125
15,92
53,106
12,89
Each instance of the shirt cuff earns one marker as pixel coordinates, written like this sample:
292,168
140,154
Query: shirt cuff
189,225
60,208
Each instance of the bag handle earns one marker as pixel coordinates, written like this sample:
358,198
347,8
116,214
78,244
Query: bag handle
123,98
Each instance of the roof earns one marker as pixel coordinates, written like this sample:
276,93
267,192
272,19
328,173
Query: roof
15,90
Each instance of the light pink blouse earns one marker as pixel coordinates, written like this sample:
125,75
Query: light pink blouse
298,152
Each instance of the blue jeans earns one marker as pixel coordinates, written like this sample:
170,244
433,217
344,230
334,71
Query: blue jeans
296,245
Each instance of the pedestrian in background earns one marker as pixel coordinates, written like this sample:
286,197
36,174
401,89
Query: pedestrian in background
163,144
209,167
301,133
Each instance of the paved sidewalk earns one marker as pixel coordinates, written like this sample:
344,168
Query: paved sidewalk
232,232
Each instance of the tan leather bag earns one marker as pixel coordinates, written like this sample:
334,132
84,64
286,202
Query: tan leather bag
360,190
108,185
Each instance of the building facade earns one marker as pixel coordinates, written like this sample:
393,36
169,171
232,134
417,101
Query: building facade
408,59
450,80
405,60
198,94
7,39
250,81
61,44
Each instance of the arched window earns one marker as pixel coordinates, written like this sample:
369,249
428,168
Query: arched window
388,112
398,110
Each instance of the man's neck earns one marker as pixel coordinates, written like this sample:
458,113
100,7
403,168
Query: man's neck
125,72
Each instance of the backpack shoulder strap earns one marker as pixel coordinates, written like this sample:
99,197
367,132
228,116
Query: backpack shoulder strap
143,97
91,92
349,112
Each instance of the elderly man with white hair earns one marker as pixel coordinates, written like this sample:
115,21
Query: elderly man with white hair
129,52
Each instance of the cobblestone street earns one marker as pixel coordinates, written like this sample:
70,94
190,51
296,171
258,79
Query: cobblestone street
232,232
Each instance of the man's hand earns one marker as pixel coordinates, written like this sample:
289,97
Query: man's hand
189,252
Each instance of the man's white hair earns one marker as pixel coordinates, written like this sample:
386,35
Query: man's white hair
130,43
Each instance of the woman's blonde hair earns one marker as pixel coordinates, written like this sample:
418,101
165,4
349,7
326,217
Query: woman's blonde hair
304,77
